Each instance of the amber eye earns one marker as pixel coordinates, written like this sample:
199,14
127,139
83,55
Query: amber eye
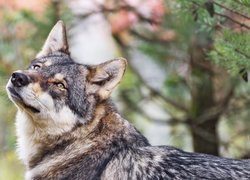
60,85
36,67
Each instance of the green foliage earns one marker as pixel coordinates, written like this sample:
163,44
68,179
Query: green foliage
156,53
130,93
25,32
231,51
175,87
43,25
231,46
224,42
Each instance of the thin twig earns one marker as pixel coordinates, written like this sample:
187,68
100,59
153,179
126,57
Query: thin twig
104,9
237,50
242,53
232,19
157,93
231,10
125,49
148,38
224,16
135,107
216,111
246,5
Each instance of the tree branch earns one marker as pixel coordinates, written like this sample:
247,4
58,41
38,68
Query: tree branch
216,111
242,53
232,19
149,39
157,93
168,100
134,107
224,16
104,9
231,10
239,2
237,50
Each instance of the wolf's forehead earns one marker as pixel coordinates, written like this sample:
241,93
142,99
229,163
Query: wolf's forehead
60,66
52,60
66,71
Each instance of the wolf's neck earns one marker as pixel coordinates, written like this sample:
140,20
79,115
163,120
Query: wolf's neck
107,130
26,137
34,134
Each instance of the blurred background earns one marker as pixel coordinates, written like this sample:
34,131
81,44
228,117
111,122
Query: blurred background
187,81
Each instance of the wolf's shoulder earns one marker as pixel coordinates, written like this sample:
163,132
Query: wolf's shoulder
166,162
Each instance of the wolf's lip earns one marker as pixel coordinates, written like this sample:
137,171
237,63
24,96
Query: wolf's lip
18,98
14,94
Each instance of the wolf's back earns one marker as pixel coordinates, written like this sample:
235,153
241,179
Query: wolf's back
165,162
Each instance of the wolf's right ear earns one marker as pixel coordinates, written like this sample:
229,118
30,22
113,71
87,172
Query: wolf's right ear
56,41
107,76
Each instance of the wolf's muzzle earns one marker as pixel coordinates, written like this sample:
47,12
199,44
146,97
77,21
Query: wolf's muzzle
19,79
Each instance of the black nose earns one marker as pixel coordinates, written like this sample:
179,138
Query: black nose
19,79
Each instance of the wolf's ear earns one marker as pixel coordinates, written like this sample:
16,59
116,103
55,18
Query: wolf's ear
107,76
56,41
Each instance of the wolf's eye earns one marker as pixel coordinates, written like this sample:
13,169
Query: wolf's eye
60,85
36,67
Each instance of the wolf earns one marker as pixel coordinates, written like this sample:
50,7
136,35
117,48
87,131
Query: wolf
68,128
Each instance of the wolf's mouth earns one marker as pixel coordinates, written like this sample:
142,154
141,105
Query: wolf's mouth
19,99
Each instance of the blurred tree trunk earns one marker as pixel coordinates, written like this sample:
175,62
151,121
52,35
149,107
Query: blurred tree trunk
204,134
205,137
206,107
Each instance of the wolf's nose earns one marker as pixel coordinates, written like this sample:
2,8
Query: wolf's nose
19,79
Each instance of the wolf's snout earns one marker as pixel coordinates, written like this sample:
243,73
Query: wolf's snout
19,79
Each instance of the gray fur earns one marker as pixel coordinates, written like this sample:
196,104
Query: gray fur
91,140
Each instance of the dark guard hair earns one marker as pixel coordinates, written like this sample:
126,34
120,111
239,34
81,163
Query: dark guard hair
68,128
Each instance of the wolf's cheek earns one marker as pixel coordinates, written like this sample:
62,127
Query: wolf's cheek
64,118
43,99
46,101
36,88
34,96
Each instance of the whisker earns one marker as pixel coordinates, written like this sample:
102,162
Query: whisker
39,102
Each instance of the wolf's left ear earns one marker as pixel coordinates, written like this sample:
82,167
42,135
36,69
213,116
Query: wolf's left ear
107,76
56,41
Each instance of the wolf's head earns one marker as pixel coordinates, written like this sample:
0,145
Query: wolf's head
55,89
